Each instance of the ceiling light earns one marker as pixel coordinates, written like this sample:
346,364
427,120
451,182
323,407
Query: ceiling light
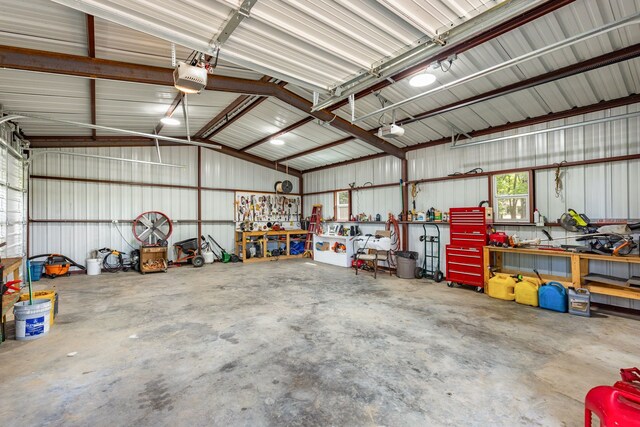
422,79
277,142
170,121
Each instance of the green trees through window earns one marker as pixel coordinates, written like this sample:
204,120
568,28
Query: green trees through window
511,196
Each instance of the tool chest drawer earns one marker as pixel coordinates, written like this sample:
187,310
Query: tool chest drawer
466,278
468,238
468,254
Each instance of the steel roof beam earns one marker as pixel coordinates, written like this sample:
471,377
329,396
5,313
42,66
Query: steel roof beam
607,59
339,123
278,134
61,63
577,111
457,48
316,149
172,109
452,48
91,51
226,113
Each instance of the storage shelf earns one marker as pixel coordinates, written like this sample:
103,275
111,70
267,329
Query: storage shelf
579,269
281,239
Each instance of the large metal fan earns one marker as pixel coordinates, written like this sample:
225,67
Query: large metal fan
152,227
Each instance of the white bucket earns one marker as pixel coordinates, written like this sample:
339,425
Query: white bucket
93,267
32,321
208,257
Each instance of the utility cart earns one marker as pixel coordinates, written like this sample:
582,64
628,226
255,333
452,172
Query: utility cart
431,264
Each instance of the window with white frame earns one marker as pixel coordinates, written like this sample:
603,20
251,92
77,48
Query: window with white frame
342,205
511,193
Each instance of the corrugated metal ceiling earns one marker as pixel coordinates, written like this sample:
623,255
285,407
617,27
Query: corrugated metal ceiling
318,43
325,46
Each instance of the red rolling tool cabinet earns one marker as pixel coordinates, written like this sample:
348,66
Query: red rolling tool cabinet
468,234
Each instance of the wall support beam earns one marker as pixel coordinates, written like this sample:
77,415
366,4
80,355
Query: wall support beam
115,141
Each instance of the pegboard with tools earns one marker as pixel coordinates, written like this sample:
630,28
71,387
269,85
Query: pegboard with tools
266,211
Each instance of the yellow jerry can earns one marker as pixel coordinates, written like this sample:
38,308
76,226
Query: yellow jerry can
527,291
501,286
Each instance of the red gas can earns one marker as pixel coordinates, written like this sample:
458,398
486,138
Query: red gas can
618,405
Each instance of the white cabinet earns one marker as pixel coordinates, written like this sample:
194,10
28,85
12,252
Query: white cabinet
330,256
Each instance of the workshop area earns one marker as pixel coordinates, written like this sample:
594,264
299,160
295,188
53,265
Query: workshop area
320,213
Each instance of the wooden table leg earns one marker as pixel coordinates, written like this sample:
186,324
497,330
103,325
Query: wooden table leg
486,264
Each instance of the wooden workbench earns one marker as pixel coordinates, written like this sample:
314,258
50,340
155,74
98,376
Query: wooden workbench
243,238
11,267
579,268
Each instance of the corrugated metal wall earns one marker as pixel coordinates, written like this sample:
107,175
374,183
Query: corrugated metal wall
386,170
76,200
601,190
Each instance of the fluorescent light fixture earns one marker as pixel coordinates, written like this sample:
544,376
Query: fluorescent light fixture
277,142
422,79
170,121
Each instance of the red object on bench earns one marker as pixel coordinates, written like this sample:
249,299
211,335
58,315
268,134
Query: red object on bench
618,405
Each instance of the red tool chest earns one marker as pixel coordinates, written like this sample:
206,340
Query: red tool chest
468,234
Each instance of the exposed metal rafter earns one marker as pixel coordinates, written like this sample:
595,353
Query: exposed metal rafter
466,36
182,38
604,105
59,63
91,51
225,115
316,149
172,109
277,134
607,59
630,20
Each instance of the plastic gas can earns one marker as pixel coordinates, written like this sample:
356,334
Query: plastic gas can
527,291
501,286
553,296
580,302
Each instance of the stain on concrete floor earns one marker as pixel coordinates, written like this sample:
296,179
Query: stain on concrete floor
283,343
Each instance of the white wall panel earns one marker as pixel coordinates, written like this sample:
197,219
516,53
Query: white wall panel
220,171
80,167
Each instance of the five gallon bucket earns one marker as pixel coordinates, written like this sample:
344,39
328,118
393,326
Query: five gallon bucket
36,270
406,264
208,257
49,294
32,321
93,267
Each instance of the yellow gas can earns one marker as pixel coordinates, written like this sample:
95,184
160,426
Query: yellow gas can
501,286
527,291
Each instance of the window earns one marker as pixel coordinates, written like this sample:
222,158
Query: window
511,197
342,205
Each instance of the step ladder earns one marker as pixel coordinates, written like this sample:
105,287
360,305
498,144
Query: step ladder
314,227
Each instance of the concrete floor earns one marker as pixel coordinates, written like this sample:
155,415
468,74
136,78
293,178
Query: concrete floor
283,343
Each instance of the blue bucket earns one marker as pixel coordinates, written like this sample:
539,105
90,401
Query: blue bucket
36,270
